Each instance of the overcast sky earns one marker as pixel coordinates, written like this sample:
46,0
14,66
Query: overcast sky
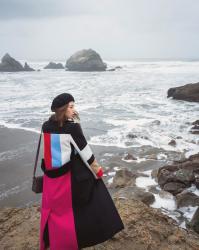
117,29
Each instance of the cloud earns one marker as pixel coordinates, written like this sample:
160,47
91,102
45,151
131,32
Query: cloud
117,29
16,9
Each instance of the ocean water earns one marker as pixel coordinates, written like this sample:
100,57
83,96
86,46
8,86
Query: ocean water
112,104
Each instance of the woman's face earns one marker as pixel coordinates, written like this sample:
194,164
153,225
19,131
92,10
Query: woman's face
70,111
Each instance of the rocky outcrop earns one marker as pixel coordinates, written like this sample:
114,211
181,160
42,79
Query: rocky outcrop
195,127
27,67
9,64
188,92
180,175
136,193
145,229
186,199
86,60
123,178
53,65
194,223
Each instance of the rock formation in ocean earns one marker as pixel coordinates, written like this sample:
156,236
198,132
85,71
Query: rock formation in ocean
188,92
9,64
27,67
53,65
86,60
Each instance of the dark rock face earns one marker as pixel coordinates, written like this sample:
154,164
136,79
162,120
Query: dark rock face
194,223
9,64
172,143
195,127
27,67
180,175
86,60
174,187
53,65
188,92
186,199
129,157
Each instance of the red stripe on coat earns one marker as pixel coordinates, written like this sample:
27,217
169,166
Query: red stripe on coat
47,151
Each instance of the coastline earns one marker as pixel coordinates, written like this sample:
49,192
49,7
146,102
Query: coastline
17,155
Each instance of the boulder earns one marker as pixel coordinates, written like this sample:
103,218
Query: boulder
9,64
53,65
27,67
194,223
172,142
86,60
188,92
184,172
123,178
174,187
136,193
186,199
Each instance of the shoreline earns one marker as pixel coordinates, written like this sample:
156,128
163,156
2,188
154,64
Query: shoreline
17,155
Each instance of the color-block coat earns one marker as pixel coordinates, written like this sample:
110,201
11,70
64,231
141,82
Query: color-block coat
77,210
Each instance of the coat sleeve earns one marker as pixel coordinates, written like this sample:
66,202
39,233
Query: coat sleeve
79,142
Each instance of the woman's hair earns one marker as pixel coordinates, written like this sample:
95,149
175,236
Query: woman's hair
60,115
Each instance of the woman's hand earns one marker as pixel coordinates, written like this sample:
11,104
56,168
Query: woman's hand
97,169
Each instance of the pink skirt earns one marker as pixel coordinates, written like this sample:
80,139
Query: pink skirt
57,211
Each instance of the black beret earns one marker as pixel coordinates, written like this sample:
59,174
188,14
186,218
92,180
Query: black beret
61,100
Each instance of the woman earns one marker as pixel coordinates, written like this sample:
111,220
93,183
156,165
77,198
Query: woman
77,210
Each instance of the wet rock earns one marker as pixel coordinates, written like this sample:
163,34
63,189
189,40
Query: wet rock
196,122
184,171
53,65
174,187
128,157
195,129
156,122
194,223
131,136
123,178
188,92
178,137
197,181
172,143
86,60
27,67
186,198
185,176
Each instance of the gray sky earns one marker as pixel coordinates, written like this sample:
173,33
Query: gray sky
117,29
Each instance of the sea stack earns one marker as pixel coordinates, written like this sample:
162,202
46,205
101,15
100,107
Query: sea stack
85,60
9,64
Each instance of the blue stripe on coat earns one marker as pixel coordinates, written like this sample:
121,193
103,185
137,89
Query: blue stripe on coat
56,150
